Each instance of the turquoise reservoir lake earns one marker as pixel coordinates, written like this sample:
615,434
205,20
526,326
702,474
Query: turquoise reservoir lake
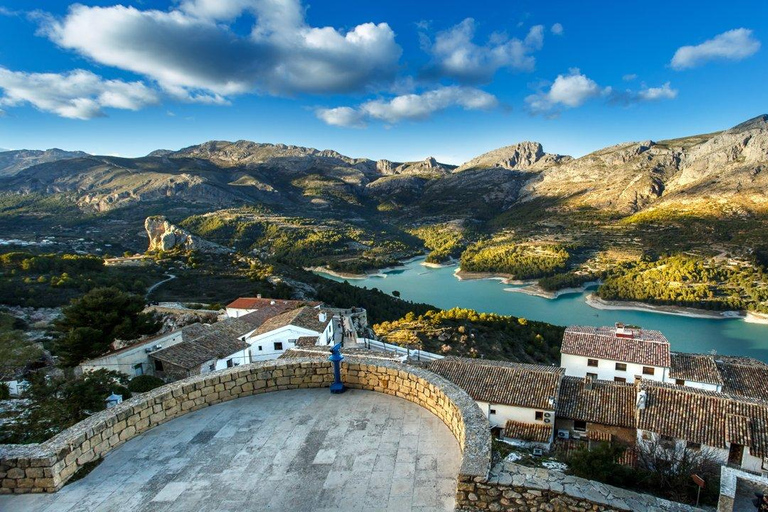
439,287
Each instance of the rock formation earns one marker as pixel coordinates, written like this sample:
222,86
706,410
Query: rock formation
164,236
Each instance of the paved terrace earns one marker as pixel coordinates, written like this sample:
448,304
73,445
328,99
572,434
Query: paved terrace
302,449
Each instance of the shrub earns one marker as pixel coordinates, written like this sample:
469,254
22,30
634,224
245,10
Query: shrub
144,383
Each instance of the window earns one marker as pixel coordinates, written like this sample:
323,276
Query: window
230,363
619,379
138,369
493,411
680,382
647,436
539,416
211,367
638,379
259,347
581,426
158,366
648,370
621,367
278,345
592,376
693,446
592,362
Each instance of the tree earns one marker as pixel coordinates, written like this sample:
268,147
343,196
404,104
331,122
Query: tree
58,402
600,463
91,323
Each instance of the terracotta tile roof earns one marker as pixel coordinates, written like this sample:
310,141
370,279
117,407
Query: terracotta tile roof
607,403
305,317
502,383
528,431
264,309
695,367
204,342
259,303
306,341
738,429
644,347
743,376
705,417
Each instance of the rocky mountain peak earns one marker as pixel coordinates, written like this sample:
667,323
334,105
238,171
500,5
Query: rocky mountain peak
521,156
756,123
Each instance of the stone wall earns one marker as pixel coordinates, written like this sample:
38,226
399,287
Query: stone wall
46,467
514,487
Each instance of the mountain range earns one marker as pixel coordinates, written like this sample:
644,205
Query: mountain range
719,174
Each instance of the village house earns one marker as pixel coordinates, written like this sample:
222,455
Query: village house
133,360
282,332
734,430
596,410
264,308
518,399
205,348
620,354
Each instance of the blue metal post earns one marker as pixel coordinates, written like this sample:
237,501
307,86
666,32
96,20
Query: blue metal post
336,358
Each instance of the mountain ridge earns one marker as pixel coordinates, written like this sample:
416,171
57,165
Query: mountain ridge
625,178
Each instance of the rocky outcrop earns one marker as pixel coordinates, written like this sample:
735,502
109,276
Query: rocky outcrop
164,236
524,156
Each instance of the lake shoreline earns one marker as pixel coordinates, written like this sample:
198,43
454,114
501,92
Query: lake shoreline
462,275
596,302
538,291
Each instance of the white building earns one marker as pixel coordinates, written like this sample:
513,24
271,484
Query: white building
134,359
280,333
264,308
518,399
620,354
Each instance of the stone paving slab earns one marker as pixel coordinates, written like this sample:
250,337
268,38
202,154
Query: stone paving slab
296,450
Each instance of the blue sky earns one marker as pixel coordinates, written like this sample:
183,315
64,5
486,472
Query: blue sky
398,80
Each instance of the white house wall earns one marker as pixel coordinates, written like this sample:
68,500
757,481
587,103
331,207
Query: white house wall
576,366
509,412
126,360
267,341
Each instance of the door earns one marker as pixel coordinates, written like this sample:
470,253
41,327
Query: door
735,454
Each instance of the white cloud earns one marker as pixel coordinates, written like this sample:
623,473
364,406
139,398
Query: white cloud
575,89
409,106
192,52
571,90
629,77
341,116
78,94
665,92
734,44
455,55
557,29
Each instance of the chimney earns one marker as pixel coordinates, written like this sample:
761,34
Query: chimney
272,303
588,382
322,317
258,295
642,399
624,332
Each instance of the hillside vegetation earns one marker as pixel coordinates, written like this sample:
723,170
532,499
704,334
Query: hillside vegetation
465,332
711,283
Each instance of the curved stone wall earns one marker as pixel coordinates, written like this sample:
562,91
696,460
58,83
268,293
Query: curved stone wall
46,467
